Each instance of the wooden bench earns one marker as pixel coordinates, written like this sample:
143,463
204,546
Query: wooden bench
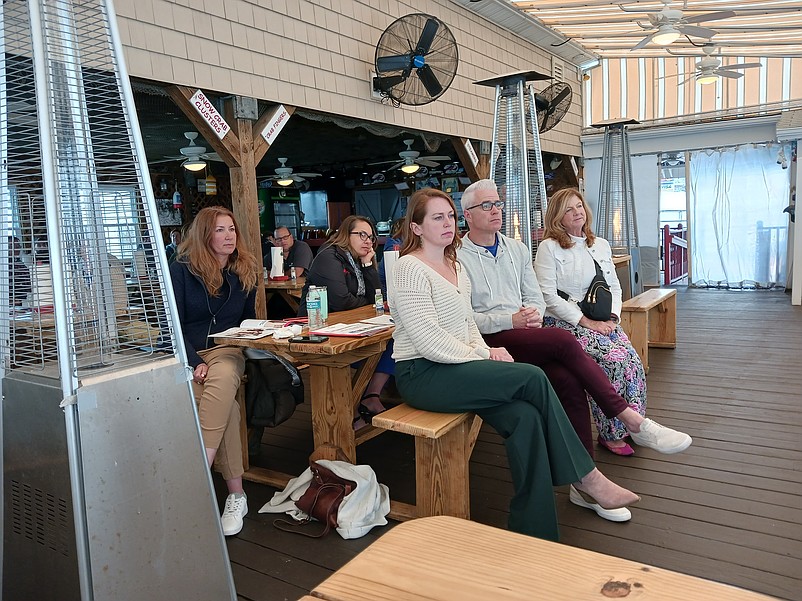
650,319
443,446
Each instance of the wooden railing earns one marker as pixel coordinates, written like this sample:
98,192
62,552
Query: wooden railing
675,253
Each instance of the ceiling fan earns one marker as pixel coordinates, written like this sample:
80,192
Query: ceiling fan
670,23
411,161
194,155
709,69
285,177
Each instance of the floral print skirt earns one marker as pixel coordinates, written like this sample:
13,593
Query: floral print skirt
619,360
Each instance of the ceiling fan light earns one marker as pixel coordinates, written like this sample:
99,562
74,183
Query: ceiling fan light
194,164
284,182
665,36
410,169
707,79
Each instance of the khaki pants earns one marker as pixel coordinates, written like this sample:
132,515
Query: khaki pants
218,410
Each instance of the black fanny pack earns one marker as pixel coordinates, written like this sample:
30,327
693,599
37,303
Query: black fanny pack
598,302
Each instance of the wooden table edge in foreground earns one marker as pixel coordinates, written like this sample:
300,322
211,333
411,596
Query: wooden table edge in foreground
444,558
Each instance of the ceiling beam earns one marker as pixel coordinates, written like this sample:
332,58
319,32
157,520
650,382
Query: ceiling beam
260,145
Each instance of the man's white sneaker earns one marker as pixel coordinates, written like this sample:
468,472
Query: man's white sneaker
236,508
661,439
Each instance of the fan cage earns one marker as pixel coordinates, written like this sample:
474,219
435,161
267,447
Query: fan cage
399,38
83,246
517,164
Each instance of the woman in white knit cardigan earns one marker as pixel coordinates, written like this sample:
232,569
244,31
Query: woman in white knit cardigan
443,364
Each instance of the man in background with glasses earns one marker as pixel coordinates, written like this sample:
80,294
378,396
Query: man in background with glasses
297,253
508,309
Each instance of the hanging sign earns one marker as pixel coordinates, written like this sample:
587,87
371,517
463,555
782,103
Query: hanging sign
206,110
471,152
275,124
211,185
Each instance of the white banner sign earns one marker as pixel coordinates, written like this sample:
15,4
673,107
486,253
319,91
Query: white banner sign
276,124
206,110
471,152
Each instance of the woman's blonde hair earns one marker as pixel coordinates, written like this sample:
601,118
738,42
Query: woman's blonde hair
342,237
196,251
555,211
416,211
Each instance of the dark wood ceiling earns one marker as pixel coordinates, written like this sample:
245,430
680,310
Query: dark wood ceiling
309,145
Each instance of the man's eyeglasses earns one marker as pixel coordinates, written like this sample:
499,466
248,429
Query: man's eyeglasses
281,238
364,236
488,205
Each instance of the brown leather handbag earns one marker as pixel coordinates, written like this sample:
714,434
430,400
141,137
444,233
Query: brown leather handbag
321,501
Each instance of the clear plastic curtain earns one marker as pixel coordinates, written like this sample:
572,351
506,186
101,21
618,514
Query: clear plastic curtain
738,229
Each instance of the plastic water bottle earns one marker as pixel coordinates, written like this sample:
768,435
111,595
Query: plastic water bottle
315,319
293,277
379,302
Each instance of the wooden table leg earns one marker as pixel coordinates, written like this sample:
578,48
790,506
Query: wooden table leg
332,416
663,324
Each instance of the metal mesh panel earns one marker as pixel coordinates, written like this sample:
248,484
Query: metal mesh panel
616,218
516,163
82,255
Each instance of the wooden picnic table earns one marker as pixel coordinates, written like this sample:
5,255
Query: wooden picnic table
289,290
334,392
443,558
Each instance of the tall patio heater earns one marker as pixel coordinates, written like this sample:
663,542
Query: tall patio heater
516,164
616,218
106,494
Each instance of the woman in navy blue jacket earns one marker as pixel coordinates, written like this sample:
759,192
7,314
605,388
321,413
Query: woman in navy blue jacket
214,280
346,266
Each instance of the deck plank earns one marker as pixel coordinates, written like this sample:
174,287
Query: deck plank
728,509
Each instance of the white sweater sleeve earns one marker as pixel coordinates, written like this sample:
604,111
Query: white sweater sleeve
432,320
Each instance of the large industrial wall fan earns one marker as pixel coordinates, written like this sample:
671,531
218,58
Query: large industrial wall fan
552,104
416,60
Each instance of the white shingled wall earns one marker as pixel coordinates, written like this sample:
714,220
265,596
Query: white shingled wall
317,55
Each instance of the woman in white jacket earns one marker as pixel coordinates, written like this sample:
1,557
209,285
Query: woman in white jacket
565,262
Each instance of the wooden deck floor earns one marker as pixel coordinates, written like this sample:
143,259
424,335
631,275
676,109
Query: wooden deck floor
727,509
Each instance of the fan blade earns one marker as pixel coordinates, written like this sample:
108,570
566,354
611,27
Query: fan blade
398,62
435,158
730,74
426,163
385,83
742,66
565,92
305,175
429,81
644,41
684,81
427,36
714,16
696,31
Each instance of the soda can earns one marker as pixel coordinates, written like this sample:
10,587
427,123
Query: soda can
313,310
324,303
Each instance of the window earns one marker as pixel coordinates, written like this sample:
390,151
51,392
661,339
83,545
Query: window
120,220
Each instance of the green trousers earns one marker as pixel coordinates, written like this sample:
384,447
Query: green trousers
517,400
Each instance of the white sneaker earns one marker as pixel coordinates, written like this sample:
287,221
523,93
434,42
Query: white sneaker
661,439
577,497
236,508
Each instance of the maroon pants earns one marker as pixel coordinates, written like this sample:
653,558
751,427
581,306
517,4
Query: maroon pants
570,370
